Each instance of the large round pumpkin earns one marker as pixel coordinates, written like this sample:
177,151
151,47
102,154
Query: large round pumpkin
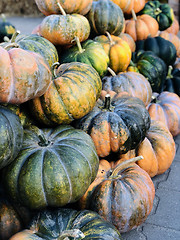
24,75
122,194
72,94
54,167
116,124
11,132
66,223
158,149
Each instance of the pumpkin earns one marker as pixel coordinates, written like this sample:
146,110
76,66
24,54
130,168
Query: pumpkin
7,29
133,83
162,12
89,52
116,124
158,149
101,20
160,46
54,167
140,27
174,28
127,6
172,83
71,95
177,63
24,75
118,51
151,66
122,194
11,132
165,107
48,7
62,29
129,40
174,39
64,223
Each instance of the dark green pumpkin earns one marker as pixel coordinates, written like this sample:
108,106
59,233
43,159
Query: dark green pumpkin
172,83
152,67
11,132
162,12
105,16
89,52
160,46
67,223
6,29
54,167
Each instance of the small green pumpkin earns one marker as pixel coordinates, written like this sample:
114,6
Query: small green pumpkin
172,83
7,29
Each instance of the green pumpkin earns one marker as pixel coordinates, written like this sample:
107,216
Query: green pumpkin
160,46
105,16
11,132
172,83
54,167
162,12
152,67
64,223
89,52
7,29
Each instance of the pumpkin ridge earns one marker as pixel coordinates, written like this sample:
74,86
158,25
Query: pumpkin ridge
42,177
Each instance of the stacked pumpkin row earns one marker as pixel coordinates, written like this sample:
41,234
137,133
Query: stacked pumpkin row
81,137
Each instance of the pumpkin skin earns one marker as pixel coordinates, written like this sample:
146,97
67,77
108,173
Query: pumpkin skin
129,40
123,195
51,7
11,132
127,6
162,12
133,83
158,149
140,27
54,167
172,83
62,29
116,127
24,75
101,20
174,28
71,95
118,51
56,222
166,108
163,49
89,52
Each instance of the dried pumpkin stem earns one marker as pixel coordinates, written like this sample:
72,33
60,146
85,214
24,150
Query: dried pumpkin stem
134,15
81,50
169,74
61,9
11,45
73,233
43,141
111,72
124,164
107,102
53,69
110,38
14,36
157,11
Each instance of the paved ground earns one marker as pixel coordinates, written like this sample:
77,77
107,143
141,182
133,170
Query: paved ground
164,221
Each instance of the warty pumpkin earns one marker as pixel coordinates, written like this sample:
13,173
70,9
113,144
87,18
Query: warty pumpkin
73,92
117,123
64,223
122,194
54,167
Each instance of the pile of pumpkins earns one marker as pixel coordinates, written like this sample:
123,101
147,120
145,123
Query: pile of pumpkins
89,108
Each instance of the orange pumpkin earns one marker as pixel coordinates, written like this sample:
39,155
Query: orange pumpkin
140,27
127,6
126,37
118,51
174,28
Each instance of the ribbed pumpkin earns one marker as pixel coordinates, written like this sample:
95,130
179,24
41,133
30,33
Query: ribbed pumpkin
48,7
122,194
174,28
89,52
166,108
133,83
72,94
105,16
172,83
54,167
140,27
62,29
118,51
127,6
116,124
24,75
126,37
158,149
66,223
11,132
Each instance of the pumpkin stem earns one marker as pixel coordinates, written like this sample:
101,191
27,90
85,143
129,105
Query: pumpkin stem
8,46
3,17
134,15
76,39
61,9
74,233
110,38
123,165
169,74
157,11
107,103
53,69
43,141
111,72
13,38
